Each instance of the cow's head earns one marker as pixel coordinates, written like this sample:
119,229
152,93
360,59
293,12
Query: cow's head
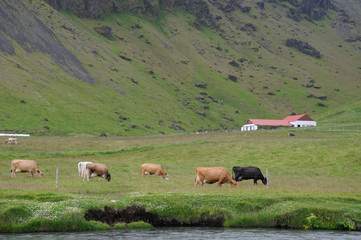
40,174
264,181
108,177
234,183
165,176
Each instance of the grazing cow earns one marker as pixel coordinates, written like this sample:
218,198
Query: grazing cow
213,174
30,166
11,140
97,169
150,169
291,135
246,173
83,172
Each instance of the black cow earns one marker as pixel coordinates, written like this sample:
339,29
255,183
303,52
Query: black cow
246,173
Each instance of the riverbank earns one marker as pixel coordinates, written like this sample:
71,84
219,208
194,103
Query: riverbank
56,212
314,182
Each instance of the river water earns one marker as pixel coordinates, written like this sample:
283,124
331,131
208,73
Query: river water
191,233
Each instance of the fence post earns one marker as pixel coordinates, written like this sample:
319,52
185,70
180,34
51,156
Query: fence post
267,177
57,177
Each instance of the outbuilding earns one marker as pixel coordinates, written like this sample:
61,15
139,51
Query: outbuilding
302,120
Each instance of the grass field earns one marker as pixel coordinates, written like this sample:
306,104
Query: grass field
314,179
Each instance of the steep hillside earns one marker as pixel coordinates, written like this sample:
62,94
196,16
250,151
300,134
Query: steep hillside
145,67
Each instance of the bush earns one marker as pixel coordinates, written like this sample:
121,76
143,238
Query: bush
14,215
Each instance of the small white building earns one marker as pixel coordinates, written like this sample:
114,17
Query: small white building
291,121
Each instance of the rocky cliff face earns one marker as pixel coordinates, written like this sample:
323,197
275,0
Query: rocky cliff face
95,9
316,9
31,34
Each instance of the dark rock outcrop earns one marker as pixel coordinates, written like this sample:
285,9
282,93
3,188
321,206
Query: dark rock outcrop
249,28
233,63
303,47
105,31
137,213
315,9
232,78
201,85
94,9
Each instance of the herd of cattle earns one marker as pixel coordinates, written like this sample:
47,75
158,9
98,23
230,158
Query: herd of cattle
204,175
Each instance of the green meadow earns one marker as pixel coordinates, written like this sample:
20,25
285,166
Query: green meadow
314,180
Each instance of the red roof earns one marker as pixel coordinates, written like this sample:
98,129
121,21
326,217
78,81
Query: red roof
269,122
302,117
285,122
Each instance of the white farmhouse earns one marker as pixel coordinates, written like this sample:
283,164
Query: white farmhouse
301,120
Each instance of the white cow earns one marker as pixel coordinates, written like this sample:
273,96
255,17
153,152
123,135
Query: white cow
83,172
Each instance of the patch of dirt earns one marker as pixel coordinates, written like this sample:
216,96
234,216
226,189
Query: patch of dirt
135,213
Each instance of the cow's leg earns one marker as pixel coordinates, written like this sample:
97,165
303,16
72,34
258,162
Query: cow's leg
255,181
90,172
157,173
30,173
143,173
199,181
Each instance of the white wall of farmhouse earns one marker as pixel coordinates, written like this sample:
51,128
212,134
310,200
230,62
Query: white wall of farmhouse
249,127
304,123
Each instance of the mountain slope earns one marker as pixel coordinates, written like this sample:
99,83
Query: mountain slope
171,66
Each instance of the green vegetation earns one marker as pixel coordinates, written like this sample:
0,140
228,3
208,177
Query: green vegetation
140,81
146,71
314,180
344,118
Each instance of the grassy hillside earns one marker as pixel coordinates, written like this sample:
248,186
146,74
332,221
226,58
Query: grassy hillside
344,118
141,78
313,180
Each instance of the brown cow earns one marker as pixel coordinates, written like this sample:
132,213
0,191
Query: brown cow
150,169
18,165
213,174
11,140
97,169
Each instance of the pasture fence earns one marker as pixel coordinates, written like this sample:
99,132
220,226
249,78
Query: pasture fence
57,177
267,176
